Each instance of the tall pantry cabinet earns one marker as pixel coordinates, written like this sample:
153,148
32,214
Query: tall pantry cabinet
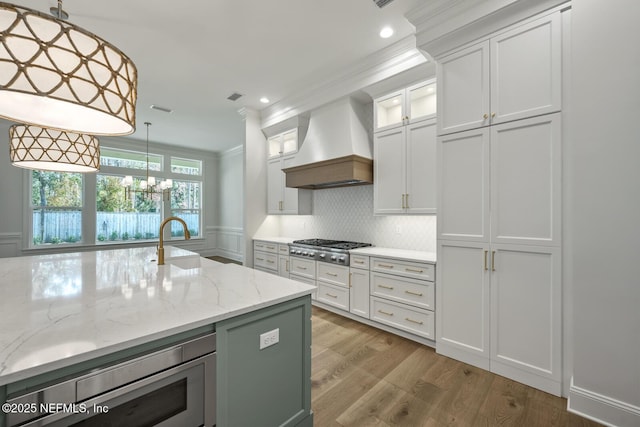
499,196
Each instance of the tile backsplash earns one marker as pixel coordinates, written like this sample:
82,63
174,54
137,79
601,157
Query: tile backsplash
347,214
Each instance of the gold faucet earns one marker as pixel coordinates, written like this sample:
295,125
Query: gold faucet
187,236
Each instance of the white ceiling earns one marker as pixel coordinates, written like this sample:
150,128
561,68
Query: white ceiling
191,55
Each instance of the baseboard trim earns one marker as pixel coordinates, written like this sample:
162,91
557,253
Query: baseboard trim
602,409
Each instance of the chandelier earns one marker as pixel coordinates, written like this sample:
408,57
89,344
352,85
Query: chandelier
56,75
35,147
148,187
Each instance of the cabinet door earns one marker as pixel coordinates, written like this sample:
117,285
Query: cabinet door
389,171
283,266
359,292
421,167
389,111
274,186
462,301
526,315
421,101
463,186
526,71
290,195
463,89
526,181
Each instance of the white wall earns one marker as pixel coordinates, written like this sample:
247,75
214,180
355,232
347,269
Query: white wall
604,210
230,200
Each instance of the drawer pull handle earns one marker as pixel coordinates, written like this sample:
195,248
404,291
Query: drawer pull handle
358,261
301,268
412,321
386,265
385,287
418,294
259,246
331,295
385,312
260,259
270,261
414,270
271,247
332,274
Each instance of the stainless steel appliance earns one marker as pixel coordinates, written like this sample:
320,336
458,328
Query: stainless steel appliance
333,251
171,387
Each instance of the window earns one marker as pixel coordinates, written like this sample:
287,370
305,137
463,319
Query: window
56,207
59,214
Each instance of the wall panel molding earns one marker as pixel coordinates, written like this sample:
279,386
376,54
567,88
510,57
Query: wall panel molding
600,408
10,245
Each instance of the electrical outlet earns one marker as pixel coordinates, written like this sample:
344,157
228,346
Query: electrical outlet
269,338
398,229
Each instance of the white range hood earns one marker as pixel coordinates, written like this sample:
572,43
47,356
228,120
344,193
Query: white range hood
336,150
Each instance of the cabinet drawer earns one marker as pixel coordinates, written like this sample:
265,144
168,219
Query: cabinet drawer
359,261
414,320
306,280
417,270
336,296
419,293
259,245
265,260
335,274
283,249
303,267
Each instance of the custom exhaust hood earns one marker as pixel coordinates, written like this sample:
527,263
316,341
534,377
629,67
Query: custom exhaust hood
336,151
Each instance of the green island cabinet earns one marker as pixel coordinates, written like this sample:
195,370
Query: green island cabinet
254,387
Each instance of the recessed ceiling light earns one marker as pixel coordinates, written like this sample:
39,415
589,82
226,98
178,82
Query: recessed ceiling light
386,32
264,100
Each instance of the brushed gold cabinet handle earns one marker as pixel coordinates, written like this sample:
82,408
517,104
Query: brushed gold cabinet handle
350,274
301,268
270,261
485,260
260,259
485,116
287,266
413,321
331,295
385,287
385,313
386,265
331,274
271,247
493,260
355,261
418,294
403,202
406,198
493,115
413,270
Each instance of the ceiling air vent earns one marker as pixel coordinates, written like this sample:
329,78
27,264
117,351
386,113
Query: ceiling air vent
234,96
382,3
159,108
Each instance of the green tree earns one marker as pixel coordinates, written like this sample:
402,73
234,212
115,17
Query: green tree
55,189
110,195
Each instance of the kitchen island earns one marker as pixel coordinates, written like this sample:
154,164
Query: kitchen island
67,314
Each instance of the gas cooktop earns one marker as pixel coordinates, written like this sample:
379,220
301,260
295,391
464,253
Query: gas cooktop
335,251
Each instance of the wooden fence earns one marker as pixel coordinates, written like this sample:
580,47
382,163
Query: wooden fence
66,226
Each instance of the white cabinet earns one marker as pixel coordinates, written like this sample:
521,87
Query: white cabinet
333,285
405,169
502,183
499,289
283,143
280,198
265,256
513,75
359,286
405,106
403,295
283,260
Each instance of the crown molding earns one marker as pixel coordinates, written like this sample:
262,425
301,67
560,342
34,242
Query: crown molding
443,25
383,64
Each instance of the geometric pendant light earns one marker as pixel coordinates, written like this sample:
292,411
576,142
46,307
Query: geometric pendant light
56,75
35,147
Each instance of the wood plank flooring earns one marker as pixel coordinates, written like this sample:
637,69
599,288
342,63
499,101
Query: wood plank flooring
362,376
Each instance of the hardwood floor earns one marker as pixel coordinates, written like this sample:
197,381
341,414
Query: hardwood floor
362,376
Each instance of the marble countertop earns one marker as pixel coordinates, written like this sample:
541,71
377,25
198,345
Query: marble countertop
282,240
405,254
58,310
